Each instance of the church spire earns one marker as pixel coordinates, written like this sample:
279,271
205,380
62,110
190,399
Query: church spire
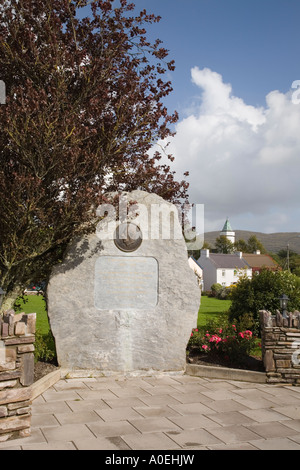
227,226
228,232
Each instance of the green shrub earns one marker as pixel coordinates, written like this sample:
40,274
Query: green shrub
215,288
195,341
262,292
219,292
45,350
224,293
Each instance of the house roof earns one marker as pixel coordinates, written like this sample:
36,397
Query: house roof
224,261
192,260
195,261
259,261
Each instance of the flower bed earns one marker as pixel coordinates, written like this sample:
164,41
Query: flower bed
224,346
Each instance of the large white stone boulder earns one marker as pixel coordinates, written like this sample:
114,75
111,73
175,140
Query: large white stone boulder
116,311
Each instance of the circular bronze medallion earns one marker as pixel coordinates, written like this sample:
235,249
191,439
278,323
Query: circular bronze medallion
128,237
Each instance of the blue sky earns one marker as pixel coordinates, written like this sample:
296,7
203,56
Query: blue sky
238,132
253,44
243,156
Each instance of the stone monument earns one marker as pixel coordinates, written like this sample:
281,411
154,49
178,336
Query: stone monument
124,300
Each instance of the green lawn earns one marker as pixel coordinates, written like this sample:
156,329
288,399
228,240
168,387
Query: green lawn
212,309
35,304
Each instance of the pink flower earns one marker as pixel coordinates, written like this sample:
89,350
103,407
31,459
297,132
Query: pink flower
215,339
248,333
205,347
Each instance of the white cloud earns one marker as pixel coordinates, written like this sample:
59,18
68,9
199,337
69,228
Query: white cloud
243,161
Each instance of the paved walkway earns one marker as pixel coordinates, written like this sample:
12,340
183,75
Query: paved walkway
165,413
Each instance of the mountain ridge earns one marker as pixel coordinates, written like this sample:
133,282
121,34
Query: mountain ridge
272,242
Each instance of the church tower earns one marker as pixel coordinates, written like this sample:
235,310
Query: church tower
228,232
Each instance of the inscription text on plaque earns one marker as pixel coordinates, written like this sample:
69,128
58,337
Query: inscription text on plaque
126,283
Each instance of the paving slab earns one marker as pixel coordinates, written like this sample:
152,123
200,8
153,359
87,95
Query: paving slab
227,418
127,401
53,395
191,408
77,417
150,441
293,424
157,400
102,443
194,438
272,429
275,444
117,414
156,411
67,433
50,446
194,421
162,413
296,438
146,425
43,419
233,434
237,446
112,429
229,405
254,403
221,394
264,416
87,405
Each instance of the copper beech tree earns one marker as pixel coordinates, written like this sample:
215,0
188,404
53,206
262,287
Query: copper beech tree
84,105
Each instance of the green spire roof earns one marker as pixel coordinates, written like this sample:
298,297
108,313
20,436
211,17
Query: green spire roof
227,226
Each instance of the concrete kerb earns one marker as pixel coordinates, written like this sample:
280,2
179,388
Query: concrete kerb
41,385
225,373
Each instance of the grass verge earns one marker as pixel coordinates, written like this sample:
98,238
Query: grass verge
212,309
45,350
35,304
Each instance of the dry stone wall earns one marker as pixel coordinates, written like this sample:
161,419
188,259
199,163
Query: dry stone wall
17,337
281,347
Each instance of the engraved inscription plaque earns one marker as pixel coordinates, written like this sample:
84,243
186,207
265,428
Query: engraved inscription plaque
126,283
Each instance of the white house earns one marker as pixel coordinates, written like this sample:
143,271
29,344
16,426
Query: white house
224,269
194,265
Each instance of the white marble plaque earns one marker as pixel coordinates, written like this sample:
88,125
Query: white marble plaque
123,283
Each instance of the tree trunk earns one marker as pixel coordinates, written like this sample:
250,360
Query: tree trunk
10,299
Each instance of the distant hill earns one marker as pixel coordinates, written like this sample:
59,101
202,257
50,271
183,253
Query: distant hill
273,242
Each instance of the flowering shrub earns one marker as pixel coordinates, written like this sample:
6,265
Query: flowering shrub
227,343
